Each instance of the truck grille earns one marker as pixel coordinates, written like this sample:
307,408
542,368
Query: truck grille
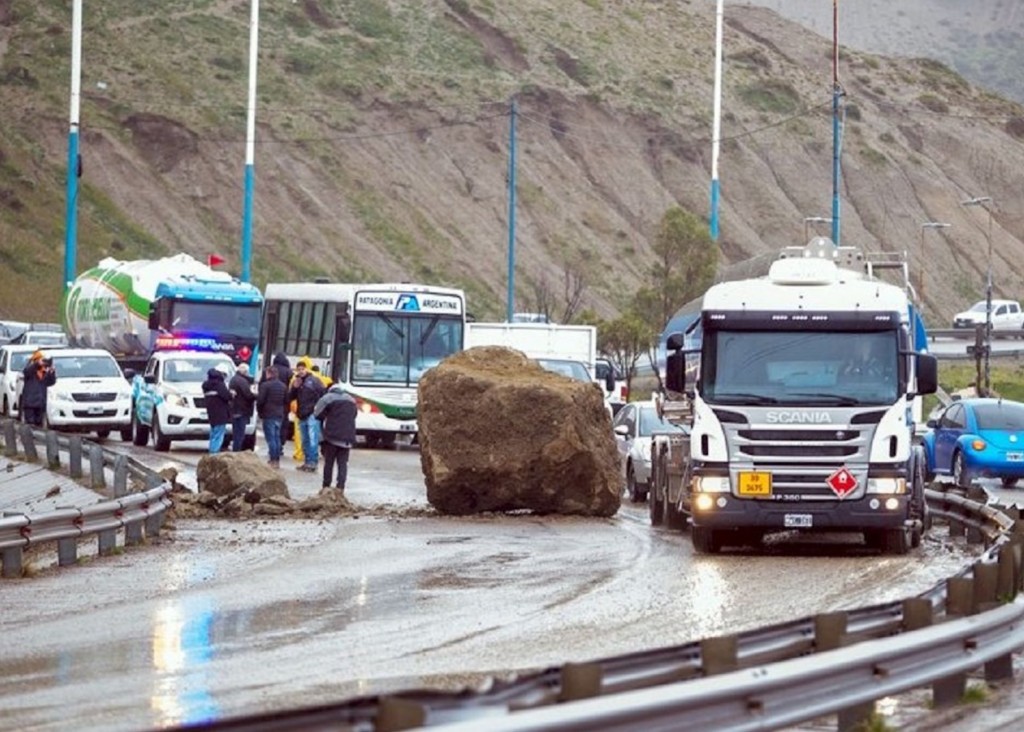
800,459
86,414
200,402
93,397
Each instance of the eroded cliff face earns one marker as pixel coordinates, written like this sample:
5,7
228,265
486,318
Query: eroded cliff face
401,173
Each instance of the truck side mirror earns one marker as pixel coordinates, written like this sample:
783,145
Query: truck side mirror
675,371
149,378
609,382
927,374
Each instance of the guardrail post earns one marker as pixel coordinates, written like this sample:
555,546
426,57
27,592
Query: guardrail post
153,523
580,681
10,438
974,533
959,602
98,477
28,442
986,581
75,456
395,714
1008,563
52,450
719,655
67,551
133,533
120,476
917,613
11,558
829,629
107,542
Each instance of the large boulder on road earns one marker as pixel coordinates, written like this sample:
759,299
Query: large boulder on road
499,433
230,474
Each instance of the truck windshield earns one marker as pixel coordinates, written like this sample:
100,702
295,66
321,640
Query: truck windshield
787,367
399,349
194,369
238,320
85,367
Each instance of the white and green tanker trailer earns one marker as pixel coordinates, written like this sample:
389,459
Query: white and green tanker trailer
133,308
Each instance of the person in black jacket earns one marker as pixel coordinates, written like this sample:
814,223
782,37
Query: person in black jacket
336,410
37,377
218,407
272,405
243,403
284,373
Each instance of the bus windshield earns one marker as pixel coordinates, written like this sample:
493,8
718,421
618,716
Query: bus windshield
800,367
231,320
396,348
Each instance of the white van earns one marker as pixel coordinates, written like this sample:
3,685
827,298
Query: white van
90,395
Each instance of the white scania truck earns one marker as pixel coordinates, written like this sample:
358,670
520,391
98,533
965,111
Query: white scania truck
800,390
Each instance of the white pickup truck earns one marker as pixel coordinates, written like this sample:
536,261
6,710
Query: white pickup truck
1006,315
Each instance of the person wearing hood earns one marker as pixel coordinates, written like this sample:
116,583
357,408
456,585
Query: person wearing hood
218,407
336,411
243,403
37,377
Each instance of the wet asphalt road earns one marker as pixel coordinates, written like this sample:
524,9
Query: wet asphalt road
234,617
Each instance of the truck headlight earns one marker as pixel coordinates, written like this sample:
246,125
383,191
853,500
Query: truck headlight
175,400
887,486
60,395
711,484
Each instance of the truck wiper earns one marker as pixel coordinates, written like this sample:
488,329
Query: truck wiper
743,398
844,401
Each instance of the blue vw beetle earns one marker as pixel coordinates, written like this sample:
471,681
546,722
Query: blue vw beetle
977,438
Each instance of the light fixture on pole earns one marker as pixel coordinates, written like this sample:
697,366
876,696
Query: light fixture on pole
986,203
920,264
814,220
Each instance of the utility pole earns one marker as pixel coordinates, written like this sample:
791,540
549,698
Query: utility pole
813,220
250,142
74,159
986,203
837,94
511,213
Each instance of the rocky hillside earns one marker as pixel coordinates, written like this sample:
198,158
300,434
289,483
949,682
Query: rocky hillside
383,143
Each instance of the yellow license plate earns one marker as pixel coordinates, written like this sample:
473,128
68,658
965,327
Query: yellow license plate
755,483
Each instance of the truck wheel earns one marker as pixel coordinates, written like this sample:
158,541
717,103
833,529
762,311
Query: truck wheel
656,501
141,432
674,518
705,540
161,442
127,433
895,541
249,443
102,434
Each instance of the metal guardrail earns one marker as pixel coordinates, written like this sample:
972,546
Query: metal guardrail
139,514
761,679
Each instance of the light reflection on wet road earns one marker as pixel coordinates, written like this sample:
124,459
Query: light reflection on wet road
233,617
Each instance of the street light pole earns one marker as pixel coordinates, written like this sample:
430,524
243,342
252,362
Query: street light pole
920,277
982,201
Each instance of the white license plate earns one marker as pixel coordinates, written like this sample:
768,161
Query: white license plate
1015,457
95,410
406,428
798,520
202,414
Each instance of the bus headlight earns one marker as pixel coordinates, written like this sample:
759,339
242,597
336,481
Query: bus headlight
711,484
887,486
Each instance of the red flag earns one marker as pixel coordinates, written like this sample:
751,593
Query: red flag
214,259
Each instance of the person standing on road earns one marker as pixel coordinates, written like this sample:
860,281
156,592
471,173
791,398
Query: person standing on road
243,403
336,410
271,405
306,390
37,377
284,373
218,407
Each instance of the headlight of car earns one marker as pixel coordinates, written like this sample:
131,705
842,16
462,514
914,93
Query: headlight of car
977,444
175,400
711,484
887,486
59,395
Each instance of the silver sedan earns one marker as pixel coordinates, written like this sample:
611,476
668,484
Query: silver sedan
633,427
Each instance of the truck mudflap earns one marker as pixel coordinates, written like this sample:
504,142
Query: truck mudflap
868,513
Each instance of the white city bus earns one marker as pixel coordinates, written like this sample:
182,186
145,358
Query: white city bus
375,339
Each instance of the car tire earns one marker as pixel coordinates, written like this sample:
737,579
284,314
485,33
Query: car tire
631,487
7,408
161,443
249,443
959,471
127,433
1009,482
141,432
894,542
102,434
656,501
